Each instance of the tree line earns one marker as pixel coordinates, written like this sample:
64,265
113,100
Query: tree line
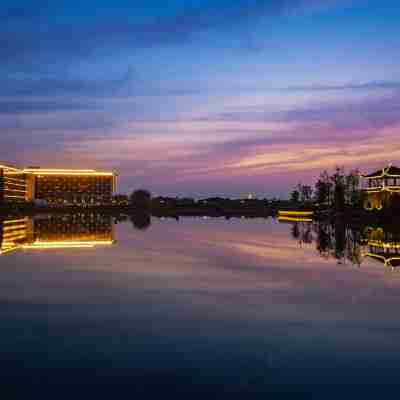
336,190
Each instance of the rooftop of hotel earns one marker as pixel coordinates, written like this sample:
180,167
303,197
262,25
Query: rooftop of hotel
8,166
389,172
65,171
58,171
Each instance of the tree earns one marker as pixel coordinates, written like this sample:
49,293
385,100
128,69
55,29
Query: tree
305,192
323,189
141,198
338,181
352,192
295,196
295,230
141,221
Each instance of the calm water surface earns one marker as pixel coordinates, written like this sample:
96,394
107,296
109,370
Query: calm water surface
198,307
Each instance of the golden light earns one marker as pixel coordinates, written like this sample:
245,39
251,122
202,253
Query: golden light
383,245
386,261
63,172
67,244
284,213
294,219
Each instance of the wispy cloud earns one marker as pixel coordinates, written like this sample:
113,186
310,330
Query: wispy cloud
124,26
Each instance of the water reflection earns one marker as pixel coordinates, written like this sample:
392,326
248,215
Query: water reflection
55,232
141,221
196,304
14,233
383,245
335,240
342,242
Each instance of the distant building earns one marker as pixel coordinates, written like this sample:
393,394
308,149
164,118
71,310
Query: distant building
381,188
56,186
73,186
15,185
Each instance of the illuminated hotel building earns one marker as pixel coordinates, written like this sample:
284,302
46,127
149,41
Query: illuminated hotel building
69,186
15,185
56,186
381,188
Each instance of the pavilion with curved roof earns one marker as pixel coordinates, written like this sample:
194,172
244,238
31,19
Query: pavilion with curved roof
381,188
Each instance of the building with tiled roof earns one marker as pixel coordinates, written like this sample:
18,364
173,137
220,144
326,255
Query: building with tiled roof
381,188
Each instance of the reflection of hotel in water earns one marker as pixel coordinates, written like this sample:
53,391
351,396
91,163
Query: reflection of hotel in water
56,232
14,233
382,246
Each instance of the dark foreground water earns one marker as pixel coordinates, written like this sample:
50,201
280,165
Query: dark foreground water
197,307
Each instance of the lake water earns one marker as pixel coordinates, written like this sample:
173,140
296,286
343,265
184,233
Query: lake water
195,307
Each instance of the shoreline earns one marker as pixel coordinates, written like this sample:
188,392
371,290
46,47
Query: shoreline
351,215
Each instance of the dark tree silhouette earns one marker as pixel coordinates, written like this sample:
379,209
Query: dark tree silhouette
323,189
141,221
140,198
295,196
340,240
338,181
295,230
305,192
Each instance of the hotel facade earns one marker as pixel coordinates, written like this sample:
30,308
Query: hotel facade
57,186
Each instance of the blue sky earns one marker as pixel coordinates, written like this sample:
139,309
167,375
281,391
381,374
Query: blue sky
198,97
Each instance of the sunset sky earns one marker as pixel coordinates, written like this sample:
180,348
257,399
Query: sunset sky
201,97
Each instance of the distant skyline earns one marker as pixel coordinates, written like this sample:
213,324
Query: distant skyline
201,97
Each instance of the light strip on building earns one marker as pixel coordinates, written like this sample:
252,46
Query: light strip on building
384,245
12,221
6,167
67,244
79,172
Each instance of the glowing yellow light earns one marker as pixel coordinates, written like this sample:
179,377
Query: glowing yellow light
384,245
294,219
9,230
63,172
14,233
12,221
14,190
67,244
299,213
17,224
387,261
57,170
10,168
8,249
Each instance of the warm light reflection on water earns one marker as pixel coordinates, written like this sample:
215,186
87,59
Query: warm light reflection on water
198,304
